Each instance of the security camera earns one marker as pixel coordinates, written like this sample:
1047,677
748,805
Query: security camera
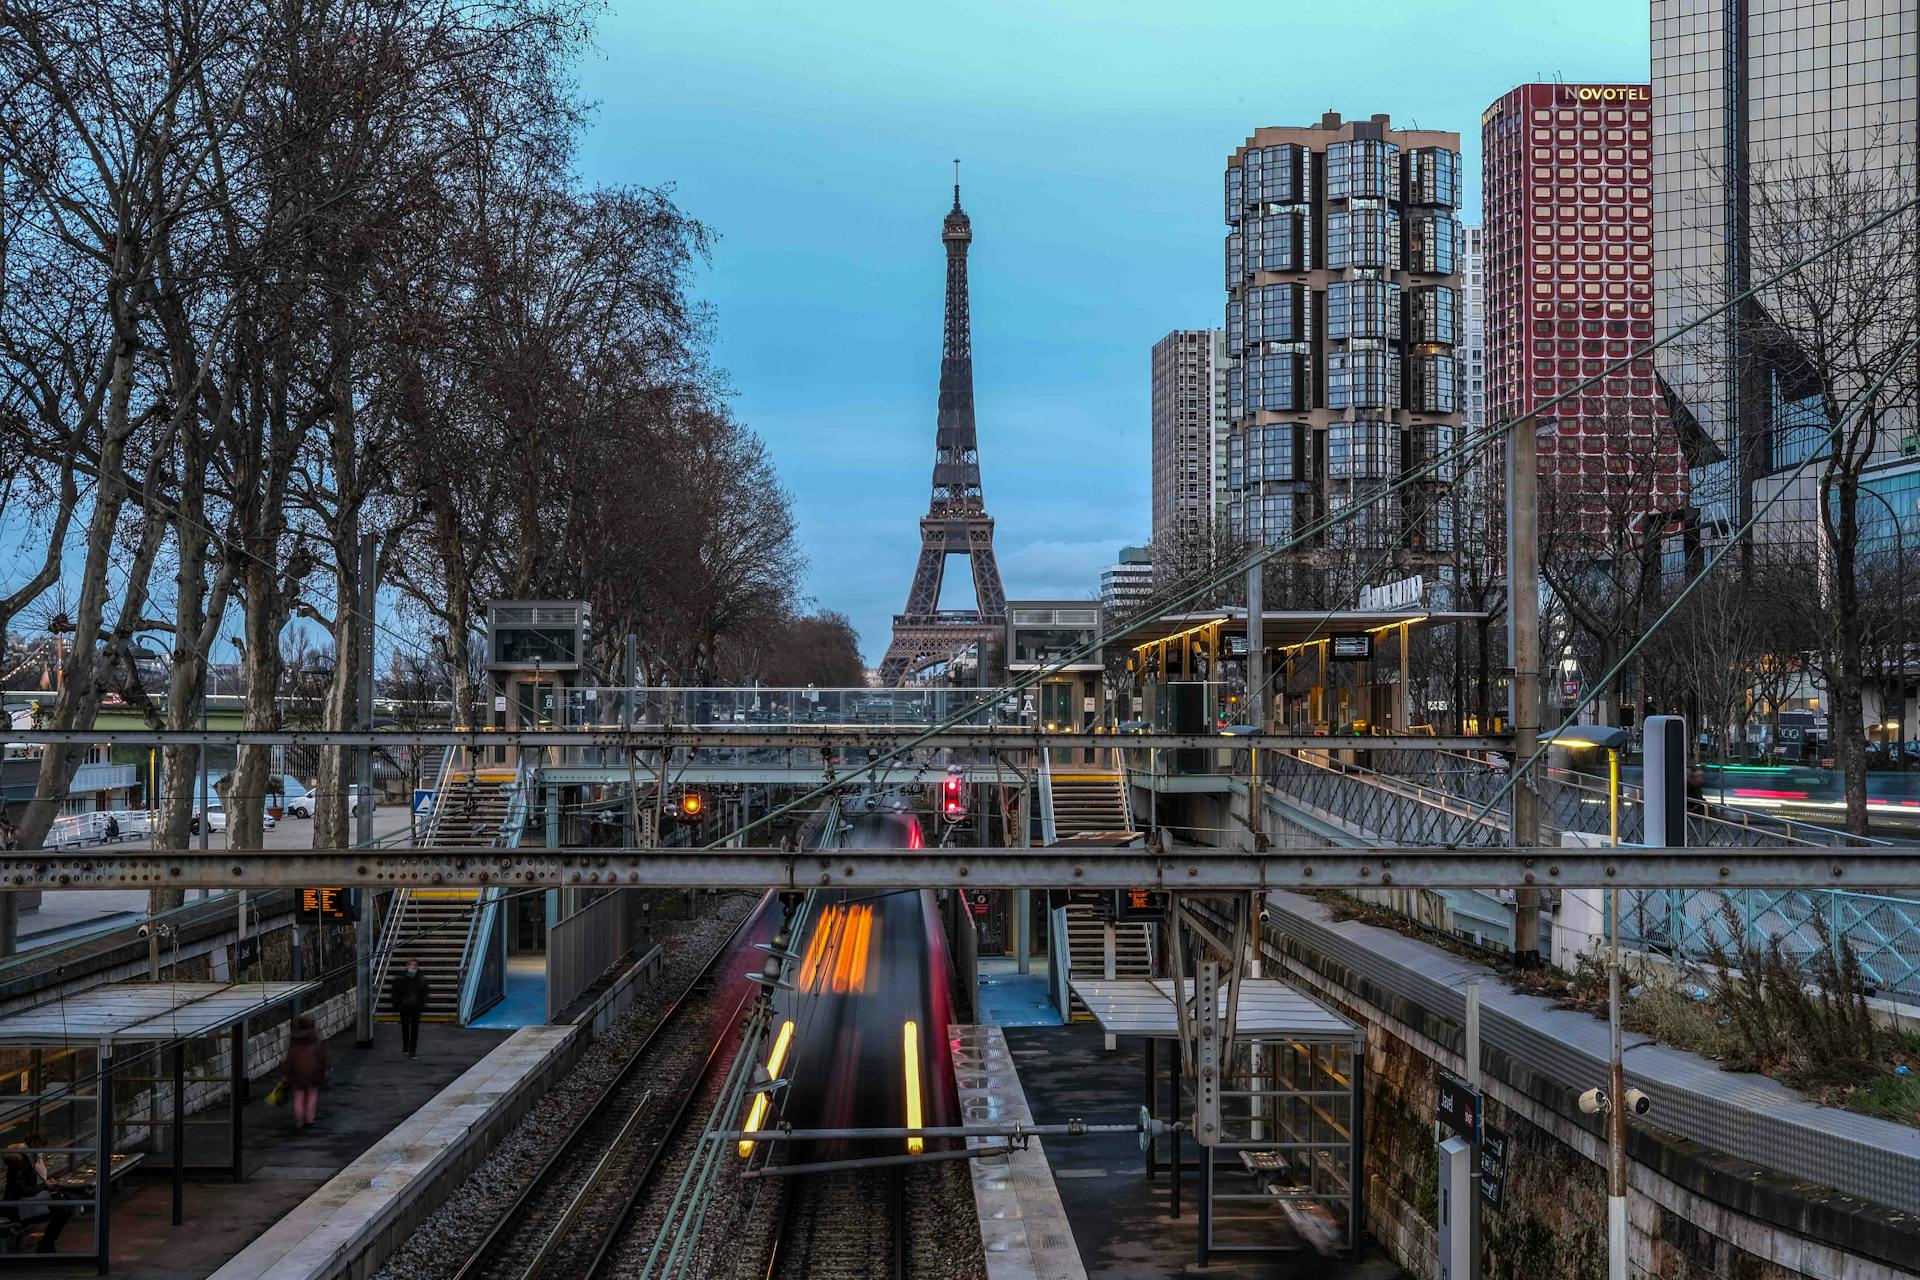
1638,1103
1593,1101
146,930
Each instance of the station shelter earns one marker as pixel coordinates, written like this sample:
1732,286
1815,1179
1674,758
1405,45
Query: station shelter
101,1087
1333,672
1287,1165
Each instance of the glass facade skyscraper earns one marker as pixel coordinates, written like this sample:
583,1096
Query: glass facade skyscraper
1343,258
1744,91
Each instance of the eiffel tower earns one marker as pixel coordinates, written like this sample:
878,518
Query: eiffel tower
956,523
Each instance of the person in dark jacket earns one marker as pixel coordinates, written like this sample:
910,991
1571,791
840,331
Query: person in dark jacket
408,994
306,1071
27,1179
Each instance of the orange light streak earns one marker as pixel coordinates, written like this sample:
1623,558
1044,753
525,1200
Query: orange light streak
862,941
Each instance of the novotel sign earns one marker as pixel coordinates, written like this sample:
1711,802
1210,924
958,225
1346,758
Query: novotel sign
1605,93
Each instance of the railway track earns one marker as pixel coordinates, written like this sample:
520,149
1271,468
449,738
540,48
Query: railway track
849,1224
562,1222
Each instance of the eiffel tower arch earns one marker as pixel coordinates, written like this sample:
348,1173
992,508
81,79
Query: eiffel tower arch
956,523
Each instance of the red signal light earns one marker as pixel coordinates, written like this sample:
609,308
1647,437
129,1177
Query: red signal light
953,806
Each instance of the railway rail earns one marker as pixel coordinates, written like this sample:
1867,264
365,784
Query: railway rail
849,1224
563,1221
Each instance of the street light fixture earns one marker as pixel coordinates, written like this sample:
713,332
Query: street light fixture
1611,740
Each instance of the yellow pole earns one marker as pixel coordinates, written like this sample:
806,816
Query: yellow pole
1613,794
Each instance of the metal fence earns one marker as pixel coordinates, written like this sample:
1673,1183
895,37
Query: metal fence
1687,924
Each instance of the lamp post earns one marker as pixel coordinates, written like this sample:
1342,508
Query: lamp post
1899,624
1611,739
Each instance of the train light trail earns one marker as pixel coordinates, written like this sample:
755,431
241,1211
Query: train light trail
862,942
757,1115
816,947
911,1038
858,923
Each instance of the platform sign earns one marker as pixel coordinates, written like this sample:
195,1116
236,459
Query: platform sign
246,952
1493,1165
1099,900
1140,904
1459,1110
1351,648
979,903
327,902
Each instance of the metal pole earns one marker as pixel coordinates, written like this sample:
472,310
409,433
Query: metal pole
1257,713
1616,1114
1473,1083
179,1130
1022,900
364,941
103,1161
1523,645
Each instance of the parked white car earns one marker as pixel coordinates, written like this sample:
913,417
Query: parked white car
217,818
301,806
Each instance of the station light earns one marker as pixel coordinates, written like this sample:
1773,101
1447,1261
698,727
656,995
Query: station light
693,806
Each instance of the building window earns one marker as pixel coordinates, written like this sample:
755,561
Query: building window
1360,450
1432,245
1433,177
1362,309
1435,315
1435,383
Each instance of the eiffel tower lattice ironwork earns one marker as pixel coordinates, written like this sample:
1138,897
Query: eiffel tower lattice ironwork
956,523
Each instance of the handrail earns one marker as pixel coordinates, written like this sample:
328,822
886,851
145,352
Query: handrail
1703,809
487,909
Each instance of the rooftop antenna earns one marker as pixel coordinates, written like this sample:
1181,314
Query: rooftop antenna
956,182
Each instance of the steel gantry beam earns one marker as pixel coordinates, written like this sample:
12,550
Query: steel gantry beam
815,737
1197,870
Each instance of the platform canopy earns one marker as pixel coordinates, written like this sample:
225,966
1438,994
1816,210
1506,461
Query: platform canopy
1283,628
144,1012
1269,1009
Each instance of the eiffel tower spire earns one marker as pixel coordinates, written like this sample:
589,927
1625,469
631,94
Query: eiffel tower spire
956,523
956,459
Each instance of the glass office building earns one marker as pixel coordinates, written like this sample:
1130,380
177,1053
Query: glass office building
1743,92
1343,263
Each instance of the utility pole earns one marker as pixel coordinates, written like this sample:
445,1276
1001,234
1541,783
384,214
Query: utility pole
364,940
1257,704
1523,647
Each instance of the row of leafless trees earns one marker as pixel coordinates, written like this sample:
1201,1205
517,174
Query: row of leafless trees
283,278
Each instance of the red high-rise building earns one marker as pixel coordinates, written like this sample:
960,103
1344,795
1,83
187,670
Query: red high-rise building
1569,289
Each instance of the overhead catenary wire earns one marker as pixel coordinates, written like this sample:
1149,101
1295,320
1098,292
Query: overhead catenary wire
1522,768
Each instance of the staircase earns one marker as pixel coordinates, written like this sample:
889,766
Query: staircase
1094,806
1089,804
434,926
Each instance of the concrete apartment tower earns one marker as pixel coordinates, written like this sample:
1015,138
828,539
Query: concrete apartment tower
1343,260
1189,433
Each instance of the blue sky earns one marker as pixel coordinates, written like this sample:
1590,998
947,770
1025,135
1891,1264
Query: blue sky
817,140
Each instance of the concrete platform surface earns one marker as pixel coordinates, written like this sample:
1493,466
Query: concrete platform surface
1121,1220
1023,1227
364,1201
371,1092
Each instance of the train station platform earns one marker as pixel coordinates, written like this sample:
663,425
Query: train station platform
1121,1219
371,1092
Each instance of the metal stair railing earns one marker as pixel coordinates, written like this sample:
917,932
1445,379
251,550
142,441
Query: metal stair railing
1385,808
482,959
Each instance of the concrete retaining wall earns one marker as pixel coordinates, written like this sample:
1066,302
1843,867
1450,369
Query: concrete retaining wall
1694,1213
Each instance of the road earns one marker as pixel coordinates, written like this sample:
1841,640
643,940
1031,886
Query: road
64,914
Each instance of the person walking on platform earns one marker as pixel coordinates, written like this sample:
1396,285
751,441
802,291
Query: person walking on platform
408,995
306,1071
